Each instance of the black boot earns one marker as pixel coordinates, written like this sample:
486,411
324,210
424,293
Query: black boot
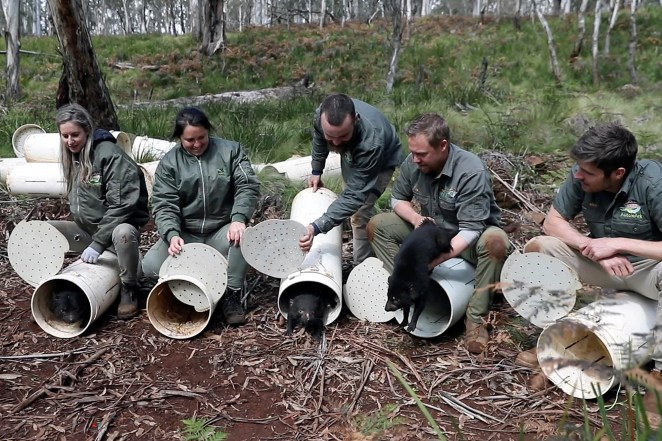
128,302
232,309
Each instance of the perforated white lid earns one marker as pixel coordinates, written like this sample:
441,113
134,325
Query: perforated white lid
21,134
366,291
201,262
36,250
272,247
541,288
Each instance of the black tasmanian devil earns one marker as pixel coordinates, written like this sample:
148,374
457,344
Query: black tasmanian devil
69,303
307,307
409,283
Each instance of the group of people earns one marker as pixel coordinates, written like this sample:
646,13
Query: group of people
206,191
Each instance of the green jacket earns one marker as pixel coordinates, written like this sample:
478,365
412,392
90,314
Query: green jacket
634,212
377,149
460,197
200,195
115,194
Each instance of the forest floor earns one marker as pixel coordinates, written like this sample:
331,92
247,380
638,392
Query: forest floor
123,380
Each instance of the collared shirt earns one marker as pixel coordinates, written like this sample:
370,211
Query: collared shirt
634,212
460,197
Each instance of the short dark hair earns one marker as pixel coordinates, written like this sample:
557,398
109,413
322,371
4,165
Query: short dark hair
336,107
432,125
608,146
190,116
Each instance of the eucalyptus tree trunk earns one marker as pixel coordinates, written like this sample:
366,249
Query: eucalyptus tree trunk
594,46
128,26
550,43
81,81
195,19
213,27
477,8
581,24
36,28
632,49
322,13
12,18
397,45
615,7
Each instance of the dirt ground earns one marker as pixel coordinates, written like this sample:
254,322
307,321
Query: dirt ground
126,381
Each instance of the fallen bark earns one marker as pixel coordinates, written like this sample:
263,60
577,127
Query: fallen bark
242,97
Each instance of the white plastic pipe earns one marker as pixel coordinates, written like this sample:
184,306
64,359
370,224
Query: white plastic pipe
45,147
144,146
37,179
323,263
446,305
298,169
21,134
149,171
583,352
174,318
7,165
99,282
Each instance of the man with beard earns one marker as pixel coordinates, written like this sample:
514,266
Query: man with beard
370,150
453,188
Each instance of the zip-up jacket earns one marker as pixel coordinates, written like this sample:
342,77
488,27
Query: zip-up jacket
199,195
377,149
115,194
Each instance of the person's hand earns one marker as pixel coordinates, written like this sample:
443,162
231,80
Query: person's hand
306,241
235,232
618,266
90,255
315,181
176,244
599,249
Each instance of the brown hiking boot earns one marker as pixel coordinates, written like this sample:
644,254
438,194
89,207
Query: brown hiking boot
232,309
653,400
128,302
476,337
528,359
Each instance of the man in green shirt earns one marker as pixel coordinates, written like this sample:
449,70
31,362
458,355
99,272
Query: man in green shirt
620,198
453,187
369,149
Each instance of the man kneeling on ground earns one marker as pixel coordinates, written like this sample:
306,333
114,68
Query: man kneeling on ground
454,188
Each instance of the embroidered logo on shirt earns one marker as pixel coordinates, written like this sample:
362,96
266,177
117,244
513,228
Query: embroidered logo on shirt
448,193
95,179
631,210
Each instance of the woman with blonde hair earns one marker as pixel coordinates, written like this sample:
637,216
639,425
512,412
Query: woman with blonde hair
107,196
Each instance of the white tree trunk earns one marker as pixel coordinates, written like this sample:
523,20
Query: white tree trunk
12,18
397,44
36,29
550,43
615,7
581,24
127,17
477,8
322,13
595,43
632,48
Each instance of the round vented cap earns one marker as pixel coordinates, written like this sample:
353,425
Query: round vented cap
21,134
36,251
272,247
366,291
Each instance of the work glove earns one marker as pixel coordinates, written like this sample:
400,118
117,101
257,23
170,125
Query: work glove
90,255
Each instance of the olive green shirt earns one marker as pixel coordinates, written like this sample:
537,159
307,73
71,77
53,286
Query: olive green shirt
634,212
460,197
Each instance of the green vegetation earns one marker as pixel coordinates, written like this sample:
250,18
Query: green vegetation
201,430
377,423
513,105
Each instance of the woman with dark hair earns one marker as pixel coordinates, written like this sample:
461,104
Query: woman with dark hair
108,199
205,191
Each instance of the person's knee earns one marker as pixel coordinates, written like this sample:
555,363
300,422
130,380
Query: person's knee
495,245
124,234
540,244
375,226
